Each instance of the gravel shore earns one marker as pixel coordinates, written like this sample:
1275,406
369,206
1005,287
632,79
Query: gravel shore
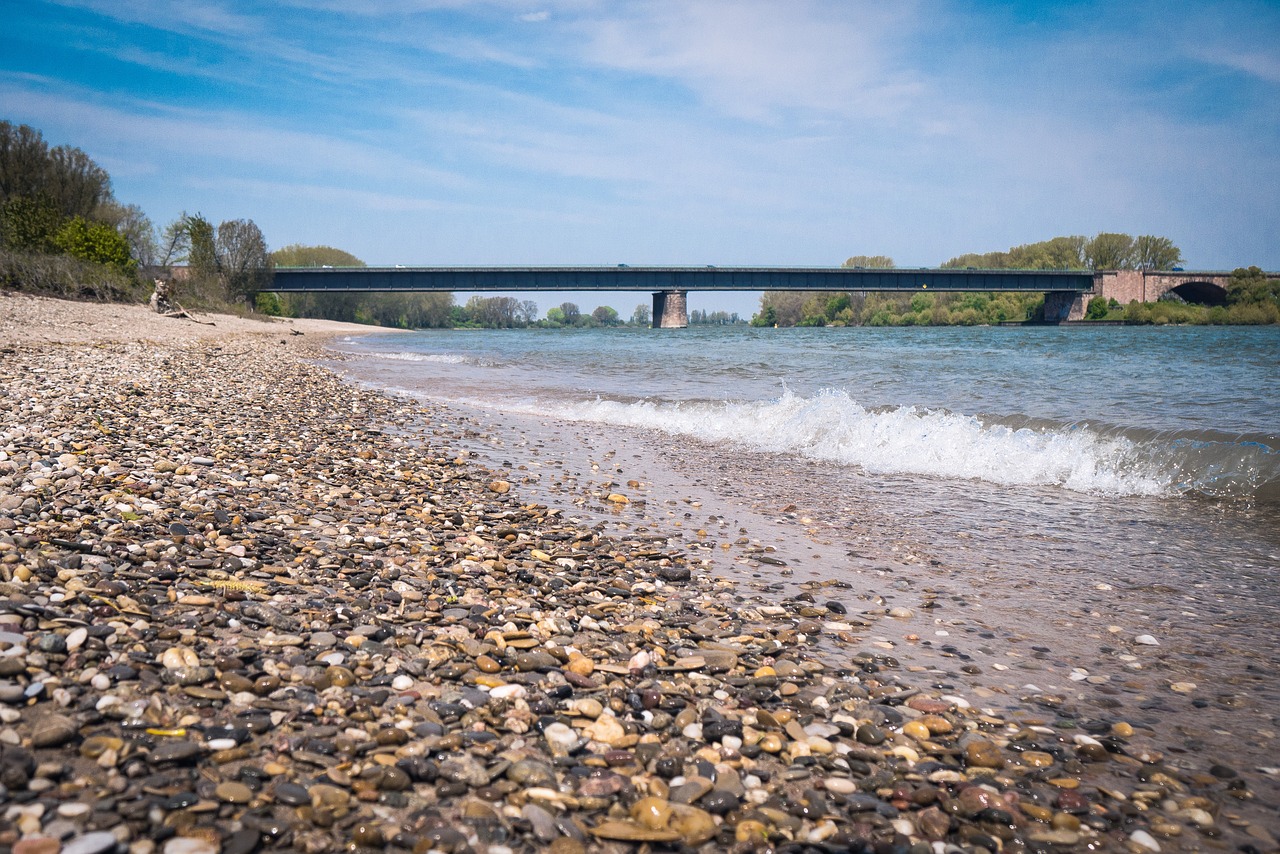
245,605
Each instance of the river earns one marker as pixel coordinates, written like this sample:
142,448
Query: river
1083,519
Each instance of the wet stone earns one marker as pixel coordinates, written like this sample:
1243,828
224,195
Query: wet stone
51,730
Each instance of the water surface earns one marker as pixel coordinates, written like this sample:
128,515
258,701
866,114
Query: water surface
1038,498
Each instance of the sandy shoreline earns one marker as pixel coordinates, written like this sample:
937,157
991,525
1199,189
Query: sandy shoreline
27,319
241,611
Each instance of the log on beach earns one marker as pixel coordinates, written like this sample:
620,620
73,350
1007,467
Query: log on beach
248,606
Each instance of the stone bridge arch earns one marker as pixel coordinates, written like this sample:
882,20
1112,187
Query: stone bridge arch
1207,289
1126,286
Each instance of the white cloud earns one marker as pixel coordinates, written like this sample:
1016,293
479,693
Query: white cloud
757,58
535,17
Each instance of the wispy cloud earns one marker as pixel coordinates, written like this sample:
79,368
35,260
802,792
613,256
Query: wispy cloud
756,58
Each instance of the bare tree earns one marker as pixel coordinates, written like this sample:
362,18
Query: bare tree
134,226
242,258
528,312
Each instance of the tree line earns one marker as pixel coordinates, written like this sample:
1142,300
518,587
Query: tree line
1251,297
424,310
63,231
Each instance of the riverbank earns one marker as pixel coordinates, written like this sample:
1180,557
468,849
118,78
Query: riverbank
248,605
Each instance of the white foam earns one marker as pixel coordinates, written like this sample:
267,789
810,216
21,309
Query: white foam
437,358
832,427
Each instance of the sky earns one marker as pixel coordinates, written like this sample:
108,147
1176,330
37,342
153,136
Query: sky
723,132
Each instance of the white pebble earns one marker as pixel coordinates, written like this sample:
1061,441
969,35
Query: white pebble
402,682
1147,640
76,638
1144,840
840,785
189,845
221,743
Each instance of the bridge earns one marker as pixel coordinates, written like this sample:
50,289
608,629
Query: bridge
1064,289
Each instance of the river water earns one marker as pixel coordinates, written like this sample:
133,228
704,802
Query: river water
1084,519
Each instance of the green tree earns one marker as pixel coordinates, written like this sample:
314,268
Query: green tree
571,313
29,224
1251,285
605,316
1097,309
555,316
65,177
641,315
297,255
1155,253
192,239
869,261
95,242
77,184
1110,251
768,315
201,245
134,226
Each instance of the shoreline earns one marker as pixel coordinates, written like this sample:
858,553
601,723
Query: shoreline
243,609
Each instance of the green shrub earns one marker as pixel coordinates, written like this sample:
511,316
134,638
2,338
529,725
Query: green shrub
64,276
269,304
96,243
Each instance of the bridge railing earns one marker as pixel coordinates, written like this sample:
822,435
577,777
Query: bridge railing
626,278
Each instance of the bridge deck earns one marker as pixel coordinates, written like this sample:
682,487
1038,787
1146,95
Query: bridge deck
624,278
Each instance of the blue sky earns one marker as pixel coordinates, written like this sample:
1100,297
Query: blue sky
723,132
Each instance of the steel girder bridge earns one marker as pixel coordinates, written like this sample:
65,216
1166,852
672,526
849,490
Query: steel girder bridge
670,285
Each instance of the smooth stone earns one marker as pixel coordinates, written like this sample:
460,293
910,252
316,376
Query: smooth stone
190,845
626,831
291,794
233,792
175,750
243,841
543,823
536,660
37,845
52,730
980,753
90,843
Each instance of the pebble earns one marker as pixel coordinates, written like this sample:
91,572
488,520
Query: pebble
358,642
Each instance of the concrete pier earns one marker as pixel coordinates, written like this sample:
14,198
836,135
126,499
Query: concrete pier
1061,306
670,309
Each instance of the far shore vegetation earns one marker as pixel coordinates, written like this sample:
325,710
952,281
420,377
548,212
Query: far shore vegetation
63,233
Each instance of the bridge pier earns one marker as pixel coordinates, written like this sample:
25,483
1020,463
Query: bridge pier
1061,306
670,309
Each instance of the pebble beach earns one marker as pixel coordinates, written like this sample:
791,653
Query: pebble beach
246,605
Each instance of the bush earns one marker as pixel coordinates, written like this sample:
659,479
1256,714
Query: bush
96,243
64,276
29,224
1097,309
268,304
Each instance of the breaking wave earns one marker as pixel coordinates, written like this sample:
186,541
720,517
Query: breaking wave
832,427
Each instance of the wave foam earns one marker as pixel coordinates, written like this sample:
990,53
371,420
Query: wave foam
832,427
437,358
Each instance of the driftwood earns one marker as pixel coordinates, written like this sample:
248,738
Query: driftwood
163,303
